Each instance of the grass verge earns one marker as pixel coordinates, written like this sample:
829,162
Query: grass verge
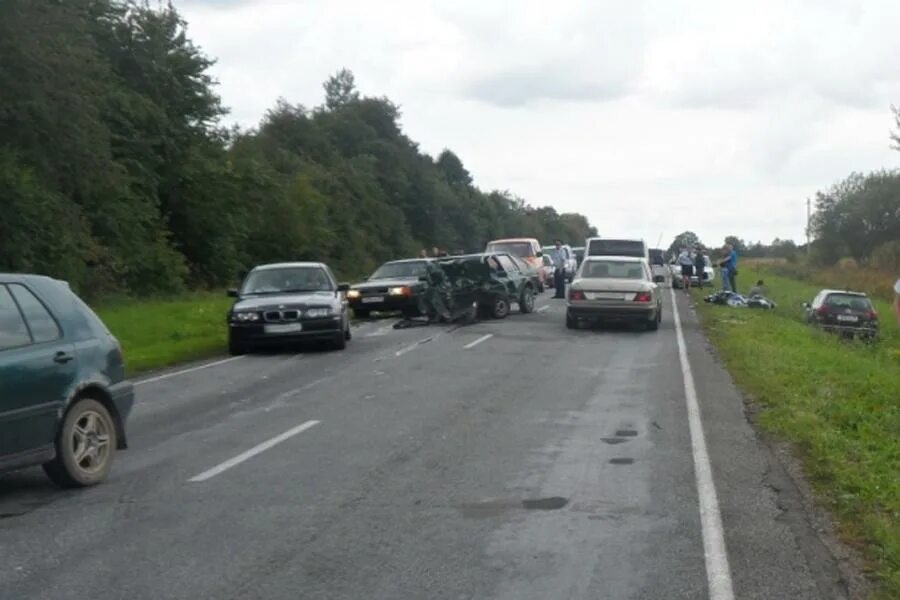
162,332
837,402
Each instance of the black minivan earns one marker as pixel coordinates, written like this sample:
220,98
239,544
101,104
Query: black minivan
64,398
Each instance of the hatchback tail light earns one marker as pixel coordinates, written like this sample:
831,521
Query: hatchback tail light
822,311
576,295
872,315
643,297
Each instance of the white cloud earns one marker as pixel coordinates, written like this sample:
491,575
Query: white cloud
648,117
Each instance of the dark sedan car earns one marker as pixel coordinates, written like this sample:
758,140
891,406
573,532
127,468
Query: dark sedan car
64,399
288,303
394,286
850,314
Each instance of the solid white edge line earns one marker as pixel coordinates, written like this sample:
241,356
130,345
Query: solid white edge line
185,371
718,573
483,338
243,456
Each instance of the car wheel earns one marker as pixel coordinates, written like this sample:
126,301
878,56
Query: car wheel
571,322
500,307
85,445
348,335
526,302
361,313
340,341
654,324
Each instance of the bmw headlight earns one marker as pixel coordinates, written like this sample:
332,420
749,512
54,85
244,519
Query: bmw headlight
245,317
317,313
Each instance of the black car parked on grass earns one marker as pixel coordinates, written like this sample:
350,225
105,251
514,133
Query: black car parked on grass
64,398
287,303
850,314
394,286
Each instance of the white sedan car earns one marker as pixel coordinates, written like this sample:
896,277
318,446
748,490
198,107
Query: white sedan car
615,288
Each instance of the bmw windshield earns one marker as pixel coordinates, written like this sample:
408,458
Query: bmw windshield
287,280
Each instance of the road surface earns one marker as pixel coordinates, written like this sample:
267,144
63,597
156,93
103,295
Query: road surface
507,459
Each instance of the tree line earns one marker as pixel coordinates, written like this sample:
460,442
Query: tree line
117,174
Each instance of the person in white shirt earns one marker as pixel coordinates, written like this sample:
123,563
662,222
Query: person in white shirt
687,268
897,300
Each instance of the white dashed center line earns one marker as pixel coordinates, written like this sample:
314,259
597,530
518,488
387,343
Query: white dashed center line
483,338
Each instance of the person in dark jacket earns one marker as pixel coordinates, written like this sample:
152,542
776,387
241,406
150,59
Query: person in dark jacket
699,265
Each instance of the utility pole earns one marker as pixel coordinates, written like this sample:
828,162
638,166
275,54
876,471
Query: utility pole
808,225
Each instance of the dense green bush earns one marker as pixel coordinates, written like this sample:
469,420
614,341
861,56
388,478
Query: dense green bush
116,174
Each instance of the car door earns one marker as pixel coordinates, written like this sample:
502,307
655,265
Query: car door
37,371
513,278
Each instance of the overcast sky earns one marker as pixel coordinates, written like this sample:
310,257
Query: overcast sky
648,117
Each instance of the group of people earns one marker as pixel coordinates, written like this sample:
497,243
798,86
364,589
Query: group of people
693,262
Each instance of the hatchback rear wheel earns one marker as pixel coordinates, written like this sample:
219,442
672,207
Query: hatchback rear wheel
85,445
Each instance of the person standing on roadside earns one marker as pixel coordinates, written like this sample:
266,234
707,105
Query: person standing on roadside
699,264
897,300
558,256
687,268
729,269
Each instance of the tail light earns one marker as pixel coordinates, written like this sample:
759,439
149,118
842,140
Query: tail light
872,315
576,295
822,311
643,297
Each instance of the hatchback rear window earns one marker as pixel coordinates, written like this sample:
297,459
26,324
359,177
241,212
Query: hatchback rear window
851,301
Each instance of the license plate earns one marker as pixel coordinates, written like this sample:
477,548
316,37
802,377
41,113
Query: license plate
604,296
373,299
284,328
848,318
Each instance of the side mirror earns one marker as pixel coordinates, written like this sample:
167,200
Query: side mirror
805,305
540,253
232,293
659,279
423,278
343,287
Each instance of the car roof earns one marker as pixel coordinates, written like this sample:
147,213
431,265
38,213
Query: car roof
848,292
26,278
408,260
283,265
513,240
595,258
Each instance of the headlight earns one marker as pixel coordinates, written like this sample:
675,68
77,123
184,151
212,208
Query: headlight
399,291
315,313
245,317
353,294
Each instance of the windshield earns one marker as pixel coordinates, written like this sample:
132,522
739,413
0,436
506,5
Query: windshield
514,248
616,248
287,279
612,269
400,270
845,301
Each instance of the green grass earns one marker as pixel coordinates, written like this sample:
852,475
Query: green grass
837,402
161,332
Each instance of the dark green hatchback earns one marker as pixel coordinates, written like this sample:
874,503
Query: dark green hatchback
63,394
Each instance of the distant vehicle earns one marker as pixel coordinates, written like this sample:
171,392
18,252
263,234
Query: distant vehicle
708,277
570,264
287,303
394,286
579,254
847,313
614,288
491,280
528,249
597,246
64,399
658,264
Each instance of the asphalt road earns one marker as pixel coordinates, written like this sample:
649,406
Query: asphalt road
507,459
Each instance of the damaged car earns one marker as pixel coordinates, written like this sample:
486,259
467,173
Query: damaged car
485,284
849,314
